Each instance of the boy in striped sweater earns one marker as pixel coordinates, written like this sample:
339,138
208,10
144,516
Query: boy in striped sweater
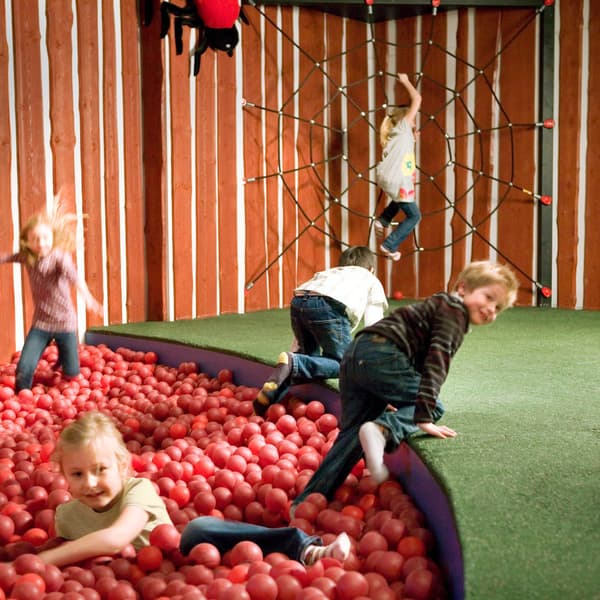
391,374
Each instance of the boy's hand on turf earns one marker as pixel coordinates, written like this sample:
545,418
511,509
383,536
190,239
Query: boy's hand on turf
440,431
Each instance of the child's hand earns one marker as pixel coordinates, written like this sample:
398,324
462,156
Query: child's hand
403,78
440,431
95,307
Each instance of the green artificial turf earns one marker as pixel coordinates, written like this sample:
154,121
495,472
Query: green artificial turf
523,474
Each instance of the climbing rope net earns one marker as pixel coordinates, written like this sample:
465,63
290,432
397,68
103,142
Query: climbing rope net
476,170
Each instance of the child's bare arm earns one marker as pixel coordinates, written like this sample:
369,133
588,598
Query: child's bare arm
108,541
90,301
415,98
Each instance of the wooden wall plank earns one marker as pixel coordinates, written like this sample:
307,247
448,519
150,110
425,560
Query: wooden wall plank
486,27
287,161
254,122
206,189
334,31
359,133
62,128
516,227
152,72
433,158
462,177
569,118
31,164
132,141
403,274
309,145
181,177
272,37
591,296
7,241
112,174
90,159
228,183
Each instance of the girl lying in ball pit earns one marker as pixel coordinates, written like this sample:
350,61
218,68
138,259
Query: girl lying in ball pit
111,509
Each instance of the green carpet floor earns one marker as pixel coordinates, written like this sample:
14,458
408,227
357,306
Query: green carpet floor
523,475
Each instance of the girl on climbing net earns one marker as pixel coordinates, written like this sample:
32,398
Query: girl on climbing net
396,171
111,508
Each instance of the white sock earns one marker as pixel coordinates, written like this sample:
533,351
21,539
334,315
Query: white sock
373,442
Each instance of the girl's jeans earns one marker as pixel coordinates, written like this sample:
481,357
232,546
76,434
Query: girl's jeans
373,374
226,534
413,216
35,344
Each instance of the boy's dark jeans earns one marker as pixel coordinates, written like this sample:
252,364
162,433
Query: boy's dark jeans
374,373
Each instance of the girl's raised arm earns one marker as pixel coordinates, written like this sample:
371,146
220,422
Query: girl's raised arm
90,301
415,98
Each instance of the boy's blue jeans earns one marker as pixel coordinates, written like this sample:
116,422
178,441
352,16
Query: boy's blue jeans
226,534
35,344
323,332
374,373
411,220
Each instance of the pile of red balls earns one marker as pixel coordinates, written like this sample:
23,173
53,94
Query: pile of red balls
195,436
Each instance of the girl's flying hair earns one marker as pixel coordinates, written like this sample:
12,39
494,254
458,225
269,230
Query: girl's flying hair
62,223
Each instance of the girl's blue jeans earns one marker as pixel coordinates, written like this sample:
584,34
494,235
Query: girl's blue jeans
374,373
226,534
35,344
411,220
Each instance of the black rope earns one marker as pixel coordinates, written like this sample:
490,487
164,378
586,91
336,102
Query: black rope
317,125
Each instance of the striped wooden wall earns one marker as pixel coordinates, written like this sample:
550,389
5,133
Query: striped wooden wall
220,193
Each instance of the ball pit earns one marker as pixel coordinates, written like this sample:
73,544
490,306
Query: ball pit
195,437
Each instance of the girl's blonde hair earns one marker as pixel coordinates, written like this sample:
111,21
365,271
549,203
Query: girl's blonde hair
62,224
88,430
481,273
393,116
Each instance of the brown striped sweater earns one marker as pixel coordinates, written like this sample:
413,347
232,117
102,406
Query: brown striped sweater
429,332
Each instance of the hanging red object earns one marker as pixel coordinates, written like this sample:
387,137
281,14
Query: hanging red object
218,14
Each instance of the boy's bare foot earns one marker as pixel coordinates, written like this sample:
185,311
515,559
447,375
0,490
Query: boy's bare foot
373,443
338,549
